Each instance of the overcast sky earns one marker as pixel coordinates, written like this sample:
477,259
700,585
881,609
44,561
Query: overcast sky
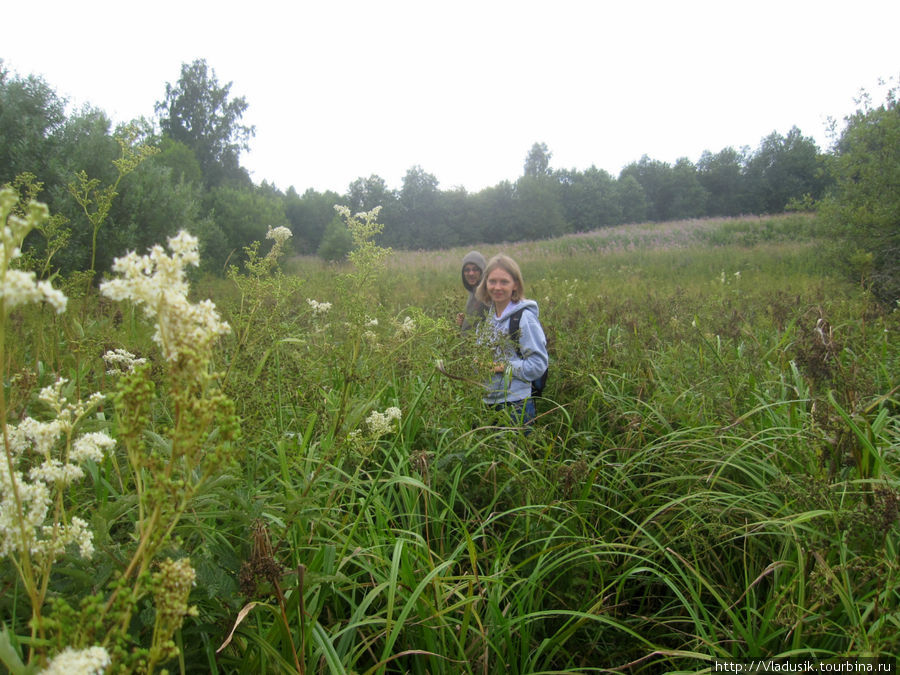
339,89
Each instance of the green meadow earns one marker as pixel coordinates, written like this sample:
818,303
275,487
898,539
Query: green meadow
713,473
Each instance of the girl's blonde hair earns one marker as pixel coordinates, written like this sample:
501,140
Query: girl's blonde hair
507,264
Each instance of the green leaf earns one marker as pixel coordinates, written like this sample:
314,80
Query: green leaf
9,655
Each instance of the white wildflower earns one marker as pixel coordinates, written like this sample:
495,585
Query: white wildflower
158,282
43,436
19,534
54,471
67,414
408,327
381,423
371,322
25,501
121,361
90,661
318,307
185,246
17,440
53,296
91,446
20,288
57,538
30,532
280,234
52,394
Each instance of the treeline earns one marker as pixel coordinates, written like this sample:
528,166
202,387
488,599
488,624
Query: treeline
546,202
189,176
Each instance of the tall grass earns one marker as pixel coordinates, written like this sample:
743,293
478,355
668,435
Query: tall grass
713,471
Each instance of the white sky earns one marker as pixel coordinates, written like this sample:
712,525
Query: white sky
339,89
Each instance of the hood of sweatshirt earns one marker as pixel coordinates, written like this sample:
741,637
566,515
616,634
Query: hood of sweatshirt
512,307
476,258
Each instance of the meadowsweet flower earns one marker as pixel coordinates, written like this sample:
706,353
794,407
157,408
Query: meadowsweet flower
55,471
67,413
16,534
371,322
52,394
25,501
121,361
318,307
90,661
30,532
157,282
42,436
91,446
408,327
18,287
381,423
57,538
279,234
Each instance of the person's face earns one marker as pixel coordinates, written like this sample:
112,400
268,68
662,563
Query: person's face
500,286
472,273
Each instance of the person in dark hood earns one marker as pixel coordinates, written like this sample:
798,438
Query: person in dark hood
472,269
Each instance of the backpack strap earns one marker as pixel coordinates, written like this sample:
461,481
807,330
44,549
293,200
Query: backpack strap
514,319
537,386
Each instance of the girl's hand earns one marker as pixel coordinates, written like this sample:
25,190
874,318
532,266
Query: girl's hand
498,368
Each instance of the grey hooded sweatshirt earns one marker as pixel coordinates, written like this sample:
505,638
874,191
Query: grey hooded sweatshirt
475,309
515,383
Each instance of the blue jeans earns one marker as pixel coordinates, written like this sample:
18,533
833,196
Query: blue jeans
521,412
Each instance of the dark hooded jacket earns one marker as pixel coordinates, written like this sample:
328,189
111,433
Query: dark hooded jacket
475,309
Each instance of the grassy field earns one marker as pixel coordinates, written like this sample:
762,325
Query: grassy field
713,473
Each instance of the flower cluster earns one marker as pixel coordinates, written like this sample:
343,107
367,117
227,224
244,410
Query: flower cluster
318,307
407,327
21,288
18,287
279,234
724,280
90,446
380,423
174,580
90,661
157,281
121,361
25,503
